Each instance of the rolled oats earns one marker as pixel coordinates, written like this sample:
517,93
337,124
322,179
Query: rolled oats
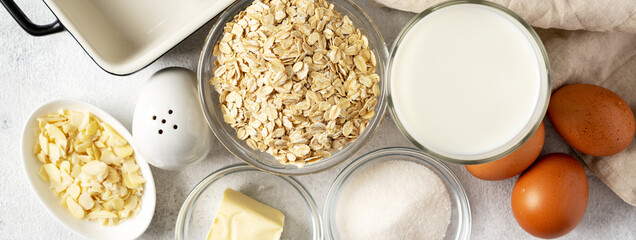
295,79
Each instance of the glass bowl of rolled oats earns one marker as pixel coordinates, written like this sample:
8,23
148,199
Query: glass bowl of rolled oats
293,87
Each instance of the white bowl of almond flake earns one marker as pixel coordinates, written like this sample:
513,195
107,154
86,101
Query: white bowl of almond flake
293,87
81,164
397,193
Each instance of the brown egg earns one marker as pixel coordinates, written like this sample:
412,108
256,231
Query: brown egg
514,163
549,199
592,119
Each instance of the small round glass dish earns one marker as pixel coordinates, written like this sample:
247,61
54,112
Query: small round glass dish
460,217
302,220
262,160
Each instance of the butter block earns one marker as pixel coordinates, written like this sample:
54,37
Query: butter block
240,217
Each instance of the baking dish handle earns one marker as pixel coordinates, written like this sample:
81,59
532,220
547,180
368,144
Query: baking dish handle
27,25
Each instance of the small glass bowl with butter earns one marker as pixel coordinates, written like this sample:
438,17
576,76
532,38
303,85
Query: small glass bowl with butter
285,194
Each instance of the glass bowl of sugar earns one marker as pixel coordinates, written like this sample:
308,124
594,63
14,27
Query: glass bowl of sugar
286,194
397,193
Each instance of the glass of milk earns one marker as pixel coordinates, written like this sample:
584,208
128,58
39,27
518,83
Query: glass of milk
469,81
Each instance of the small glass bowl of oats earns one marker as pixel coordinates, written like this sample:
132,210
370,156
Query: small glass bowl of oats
293,87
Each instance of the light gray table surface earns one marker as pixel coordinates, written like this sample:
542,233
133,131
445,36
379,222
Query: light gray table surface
34,70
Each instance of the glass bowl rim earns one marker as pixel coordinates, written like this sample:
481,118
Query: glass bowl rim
185,211
457,192
544,87
349,149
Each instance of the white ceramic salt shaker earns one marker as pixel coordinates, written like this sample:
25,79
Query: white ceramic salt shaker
168,126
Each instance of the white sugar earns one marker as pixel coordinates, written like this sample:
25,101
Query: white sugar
393,200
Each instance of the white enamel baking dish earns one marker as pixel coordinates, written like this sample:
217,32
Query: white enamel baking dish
123,36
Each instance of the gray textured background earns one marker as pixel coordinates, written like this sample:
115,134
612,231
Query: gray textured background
36,70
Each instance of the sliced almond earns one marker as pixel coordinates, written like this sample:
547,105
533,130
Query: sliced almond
86,201
75,209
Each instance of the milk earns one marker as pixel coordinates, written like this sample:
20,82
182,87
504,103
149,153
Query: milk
466,80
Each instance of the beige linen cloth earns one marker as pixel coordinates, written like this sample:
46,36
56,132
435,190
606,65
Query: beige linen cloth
600,48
